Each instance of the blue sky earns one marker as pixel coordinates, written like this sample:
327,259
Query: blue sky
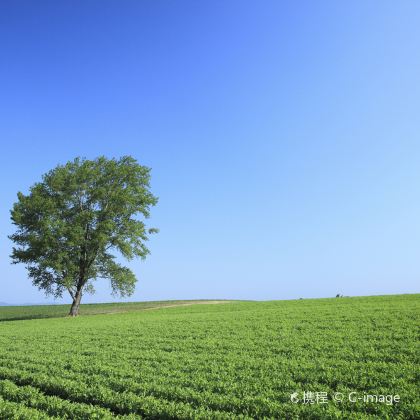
283,137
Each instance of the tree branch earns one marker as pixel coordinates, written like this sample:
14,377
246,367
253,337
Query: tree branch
70,291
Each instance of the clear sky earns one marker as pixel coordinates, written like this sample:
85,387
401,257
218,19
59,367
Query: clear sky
283,136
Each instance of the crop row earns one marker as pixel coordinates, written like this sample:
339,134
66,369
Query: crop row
235,361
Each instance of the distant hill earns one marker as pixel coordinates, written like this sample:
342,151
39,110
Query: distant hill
15,312
29,304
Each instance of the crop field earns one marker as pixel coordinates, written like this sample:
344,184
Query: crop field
10,313
222,361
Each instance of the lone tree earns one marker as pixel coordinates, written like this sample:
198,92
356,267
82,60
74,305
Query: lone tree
72,223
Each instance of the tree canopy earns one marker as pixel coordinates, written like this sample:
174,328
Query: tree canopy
73,224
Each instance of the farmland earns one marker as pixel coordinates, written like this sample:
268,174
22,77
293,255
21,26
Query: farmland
230,360
11,313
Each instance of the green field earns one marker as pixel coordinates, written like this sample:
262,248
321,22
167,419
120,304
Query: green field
11,313
212,361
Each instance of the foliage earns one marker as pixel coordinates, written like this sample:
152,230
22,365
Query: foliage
72,222
233,360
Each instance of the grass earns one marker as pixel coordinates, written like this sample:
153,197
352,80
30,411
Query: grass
236,360
10,313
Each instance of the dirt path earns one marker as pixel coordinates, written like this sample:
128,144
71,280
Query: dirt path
199,302
210,302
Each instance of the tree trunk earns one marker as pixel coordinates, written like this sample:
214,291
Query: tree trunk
74,310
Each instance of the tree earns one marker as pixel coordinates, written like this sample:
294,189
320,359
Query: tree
73,223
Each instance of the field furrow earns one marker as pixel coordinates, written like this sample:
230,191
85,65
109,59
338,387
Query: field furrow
237,360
